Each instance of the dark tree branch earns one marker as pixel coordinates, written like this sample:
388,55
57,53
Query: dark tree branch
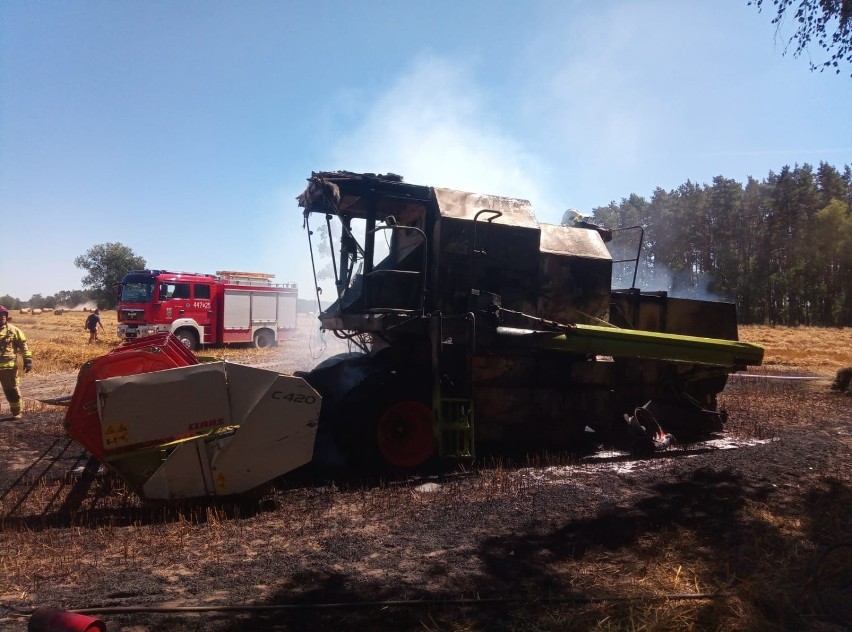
826,23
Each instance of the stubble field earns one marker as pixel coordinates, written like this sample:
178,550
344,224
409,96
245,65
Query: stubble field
750,532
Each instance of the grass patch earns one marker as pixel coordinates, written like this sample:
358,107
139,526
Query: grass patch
821,350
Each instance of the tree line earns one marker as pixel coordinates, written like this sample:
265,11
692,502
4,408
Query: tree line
781,248
105,266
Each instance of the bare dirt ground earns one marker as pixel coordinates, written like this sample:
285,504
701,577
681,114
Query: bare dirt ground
737,534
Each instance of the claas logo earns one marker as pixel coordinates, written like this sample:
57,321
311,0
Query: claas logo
209,423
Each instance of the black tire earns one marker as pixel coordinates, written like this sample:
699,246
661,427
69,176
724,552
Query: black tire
188,338
382,425
264,339
334,379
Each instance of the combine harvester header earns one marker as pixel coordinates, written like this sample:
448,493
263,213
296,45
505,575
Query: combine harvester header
172,427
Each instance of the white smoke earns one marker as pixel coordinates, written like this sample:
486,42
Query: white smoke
434,127
685,284
679,284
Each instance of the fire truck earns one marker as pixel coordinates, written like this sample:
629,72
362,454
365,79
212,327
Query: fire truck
207,309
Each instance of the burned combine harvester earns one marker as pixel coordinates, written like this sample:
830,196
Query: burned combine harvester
481,328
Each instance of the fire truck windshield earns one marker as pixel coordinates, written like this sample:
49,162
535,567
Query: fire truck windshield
137,291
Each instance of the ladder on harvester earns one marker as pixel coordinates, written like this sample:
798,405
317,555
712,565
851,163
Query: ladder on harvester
454,414
454,426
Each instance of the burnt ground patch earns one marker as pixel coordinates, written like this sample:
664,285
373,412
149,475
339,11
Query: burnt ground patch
751,524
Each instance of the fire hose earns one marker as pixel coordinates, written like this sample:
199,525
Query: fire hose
80,620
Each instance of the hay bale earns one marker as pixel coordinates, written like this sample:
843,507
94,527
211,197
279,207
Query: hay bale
37,310
58,311
843,381
24,310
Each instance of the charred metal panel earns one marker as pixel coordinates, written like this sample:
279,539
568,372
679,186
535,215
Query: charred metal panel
524,418
574,290
557,370
462,205
574,277
540,400
504,262
574,242
635,310
710,319
360,194
498,256
655,311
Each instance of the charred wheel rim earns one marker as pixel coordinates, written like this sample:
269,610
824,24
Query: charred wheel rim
404,434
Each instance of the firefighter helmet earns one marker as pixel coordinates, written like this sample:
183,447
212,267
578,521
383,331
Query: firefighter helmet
4,310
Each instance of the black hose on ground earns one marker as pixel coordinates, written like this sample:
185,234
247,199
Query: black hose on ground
391,603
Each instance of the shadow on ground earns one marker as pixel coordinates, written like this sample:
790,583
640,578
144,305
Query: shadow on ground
711,516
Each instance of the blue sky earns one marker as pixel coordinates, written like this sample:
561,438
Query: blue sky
186,129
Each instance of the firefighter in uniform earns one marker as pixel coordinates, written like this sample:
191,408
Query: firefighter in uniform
12,342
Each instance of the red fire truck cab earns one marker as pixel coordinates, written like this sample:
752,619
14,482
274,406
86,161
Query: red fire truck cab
207,309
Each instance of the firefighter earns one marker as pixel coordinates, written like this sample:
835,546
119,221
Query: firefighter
12,342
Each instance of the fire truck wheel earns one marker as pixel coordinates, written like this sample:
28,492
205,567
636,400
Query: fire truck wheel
264,339
188,339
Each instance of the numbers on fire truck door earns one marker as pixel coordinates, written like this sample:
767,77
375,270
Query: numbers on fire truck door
201,294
